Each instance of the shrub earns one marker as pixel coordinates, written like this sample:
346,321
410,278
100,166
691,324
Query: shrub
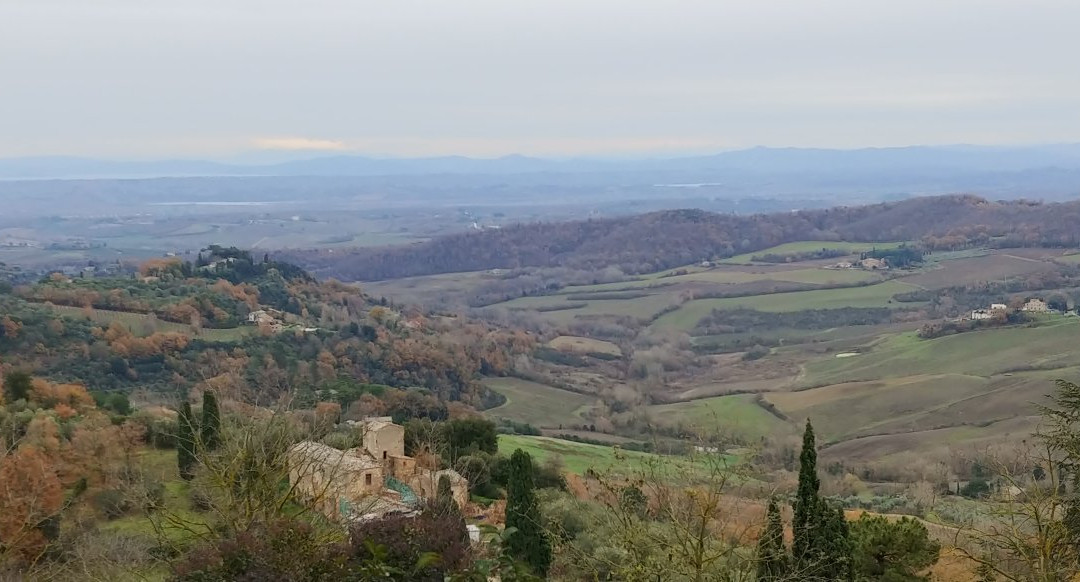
112,503
286,550
200,500
406,540
756,353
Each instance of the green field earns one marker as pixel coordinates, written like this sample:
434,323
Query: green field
736,415
811,246
580,457
880,295
141,325
895,405
979,353
640,307
538,404
731,276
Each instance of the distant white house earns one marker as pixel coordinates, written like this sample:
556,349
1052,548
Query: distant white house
998,307
980,314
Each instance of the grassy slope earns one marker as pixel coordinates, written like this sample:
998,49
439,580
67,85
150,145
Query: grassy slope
737,415
580,457
880,295
139,323
981,353
924,394
538,404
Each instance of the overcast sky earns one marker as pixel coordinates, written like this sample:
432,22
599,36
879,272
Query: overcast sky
140,78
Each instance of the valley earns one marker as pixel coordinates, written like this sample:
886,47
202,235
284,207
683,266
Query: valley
751,348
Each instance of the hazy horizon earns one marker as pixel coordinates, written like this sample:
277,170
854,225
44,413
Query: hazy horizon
142,79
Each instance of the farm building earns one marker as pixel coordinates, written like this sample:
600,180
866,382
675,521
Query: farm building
998,307
872,264
1035,305
980,314
370,481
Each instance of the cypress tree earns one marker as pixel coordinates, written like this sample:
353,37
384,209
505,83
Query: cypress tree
528,543
185,443
806,498
211,422
444,497
772,559
822,548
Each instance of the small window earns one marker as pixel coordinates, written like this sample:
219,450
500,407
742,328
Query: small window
367,478
384,454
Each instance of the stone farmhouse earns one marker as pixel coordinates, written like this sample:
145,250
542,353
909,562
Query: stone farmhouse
1035,305
370,481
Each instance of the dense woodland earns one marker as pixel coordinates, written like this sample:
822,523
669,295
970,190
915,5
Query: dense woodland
661,240
339,340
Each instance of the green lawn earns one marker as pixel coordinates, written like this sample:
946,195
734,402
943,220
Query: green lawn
811,246
880,295
736,415
538,404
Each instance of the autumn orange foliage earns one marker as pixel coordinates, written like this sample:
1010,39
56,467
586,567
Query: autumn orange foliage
30,493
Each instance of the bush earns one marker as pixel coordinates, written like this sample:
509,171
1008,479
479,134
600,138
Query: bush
159,432
200,500
112,503
976,489
286,550
405,541
155,496
342,441
756,353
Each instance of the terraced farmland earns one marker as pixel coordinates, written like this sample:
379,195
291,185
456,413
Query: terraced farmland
880,295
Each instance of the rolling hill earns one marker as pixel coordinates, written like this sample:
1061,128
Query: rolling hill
652,242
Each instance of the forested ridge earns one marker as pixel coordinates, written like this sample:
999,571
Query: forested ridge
661,240
154,331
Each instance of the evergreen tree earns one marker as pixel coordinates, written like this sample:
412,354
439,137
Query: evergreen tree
17,386
772,559
806,498
528,543
835,547
211,422
892,550
444,497
822,548
185,443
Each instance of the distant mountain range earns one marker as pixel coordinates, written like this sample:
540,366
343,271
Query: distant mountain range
842,164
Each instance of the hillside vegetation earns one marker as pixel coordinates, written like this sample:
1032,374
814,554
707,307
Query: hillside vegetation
663,240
